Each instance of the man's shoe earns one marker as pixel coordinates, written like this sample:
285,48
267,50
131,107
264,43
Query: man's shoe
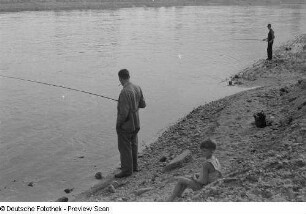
136,170
122,175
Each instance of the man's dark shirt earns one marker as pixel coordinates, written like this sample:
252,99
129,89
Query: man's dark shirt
271,36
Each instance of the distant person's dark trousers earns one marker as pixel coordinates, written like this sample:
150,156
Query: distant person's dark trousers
128,148
269,50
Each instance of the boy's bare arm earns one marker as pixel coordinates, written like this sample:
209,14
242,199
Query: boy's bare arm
203,176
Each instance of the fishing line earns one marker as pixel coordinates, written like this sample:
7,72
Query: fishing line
58,86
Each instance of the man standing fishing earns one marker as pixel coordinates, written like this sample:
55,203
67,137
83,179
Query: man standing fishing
127,126
270,40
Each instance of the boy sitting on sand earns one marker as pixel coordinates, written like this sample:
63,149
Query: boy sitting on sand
210,171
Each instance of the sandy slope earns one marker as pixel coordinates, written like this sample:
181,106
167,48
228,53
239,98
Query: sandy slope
260,164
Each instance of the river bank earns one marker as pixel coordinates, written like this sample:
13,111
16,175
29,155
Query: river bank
37,5
259,164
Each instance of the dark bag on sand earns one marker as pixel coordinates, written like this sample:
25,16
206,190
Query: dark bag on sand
260,120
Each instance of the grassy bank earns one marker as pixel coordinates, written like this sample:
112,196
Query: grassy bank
259,164
36,5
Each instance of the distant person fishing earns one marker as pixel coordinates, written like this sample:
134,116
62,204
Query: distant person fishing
270,40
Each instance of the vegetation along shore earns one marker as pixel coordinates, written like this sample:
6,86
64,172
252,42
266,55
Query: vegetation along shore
37,5
262,160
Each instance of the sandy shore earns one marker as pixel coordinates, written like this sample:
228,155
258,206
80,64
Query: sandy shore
37,5
259,164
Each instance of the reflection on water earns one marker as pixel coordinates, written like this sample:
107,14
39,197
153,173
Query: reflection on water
58,138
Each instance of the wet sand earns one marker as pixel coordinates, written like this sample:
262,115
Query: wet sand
37,5
259,164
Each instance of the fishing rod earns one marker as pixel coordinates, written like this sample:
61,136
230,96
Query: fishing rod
249,39
59,86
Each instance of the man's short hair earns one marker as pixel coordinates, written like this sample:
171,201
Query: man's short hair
269,25
208,144
124,74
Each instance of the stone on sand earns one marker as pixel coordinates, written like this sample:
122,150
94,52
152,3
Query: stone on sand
178,161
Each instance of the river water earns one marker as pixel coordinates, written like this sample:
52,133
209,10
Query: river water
58,138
